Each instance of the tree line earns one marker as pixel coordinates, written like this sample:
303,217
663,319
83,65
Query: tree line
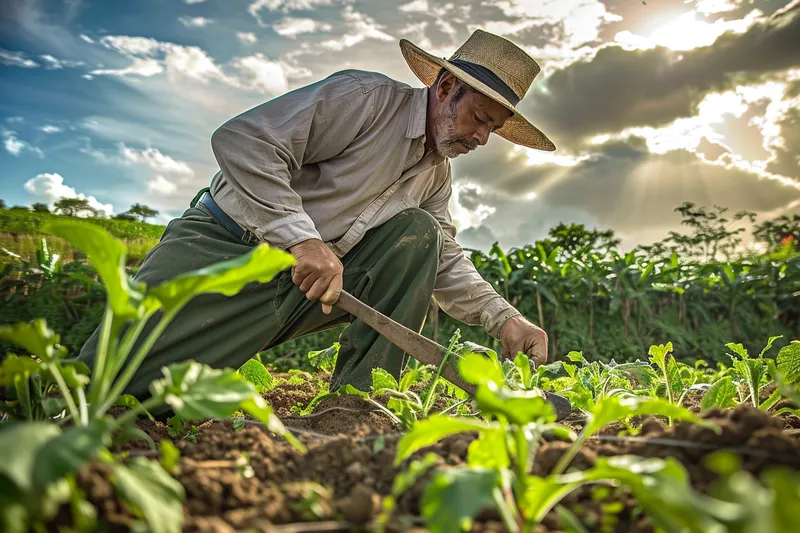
80,207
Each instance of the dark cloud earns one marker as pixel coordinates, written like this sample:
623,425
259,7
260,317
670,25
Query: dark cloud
620,186
618,88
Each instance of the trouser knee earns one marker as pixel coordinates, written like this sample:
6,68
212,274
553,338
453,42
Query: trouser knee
421,233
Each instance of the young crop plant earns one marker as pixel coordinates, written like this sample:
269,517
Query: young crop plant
500,460
37,478
748,376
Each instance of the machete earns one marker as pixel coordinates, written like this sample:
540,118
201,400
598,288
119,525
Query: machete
425,350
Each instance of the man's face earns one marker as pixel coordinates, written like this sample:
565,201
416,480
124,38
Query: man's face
464,120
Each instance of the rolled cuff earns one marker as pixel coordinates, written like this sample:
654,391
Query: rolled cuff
288,231
495,314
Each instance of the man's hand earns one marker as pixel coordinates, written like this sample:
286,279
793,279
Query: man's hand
519,335
318,272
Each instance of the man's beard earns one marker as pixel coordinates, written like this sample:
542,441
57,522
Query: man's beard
444,134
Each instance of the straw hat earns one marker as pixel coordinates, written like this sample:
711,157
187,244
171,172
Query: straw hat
493,66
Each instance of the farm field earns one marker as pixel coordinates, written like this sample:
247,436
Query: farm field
654,443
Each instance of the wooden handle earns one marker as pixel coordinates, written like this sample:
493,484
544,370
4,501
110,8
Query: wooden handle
420,348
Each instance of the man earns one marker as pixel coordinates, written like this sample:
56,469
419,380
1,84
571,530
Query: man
351,175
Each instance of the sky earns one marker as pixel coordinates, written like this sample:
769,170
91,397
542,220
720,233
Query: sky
650,103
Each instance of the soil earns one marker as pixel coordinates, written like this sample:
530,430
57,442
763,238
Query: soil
348,468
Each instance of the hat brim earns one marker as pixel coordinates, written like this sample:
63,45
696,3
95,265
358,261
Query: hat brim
516,129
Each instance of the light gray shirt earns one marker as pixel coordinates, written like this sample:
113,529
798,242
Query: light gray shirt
336,158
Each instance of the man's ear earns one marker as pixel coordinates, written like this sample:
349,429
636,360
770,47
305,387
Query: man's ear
445,86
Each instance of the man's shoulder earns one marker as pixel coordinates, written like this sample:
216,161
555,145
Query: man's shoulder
369,80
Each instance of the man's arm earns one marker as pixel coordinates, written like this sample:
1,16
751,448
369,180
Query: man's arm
463,293
257,152
259,149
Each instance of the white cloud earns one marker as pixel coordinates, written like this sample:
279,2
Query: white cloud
50,187
292,27
86,38
144,67
195,22
359,27
16,59
15,119
161,185
155,160
247,37
194,1
130,45
53,63
15,146
417,6
262,74
49,128
709,7
581,19
284,6
686,32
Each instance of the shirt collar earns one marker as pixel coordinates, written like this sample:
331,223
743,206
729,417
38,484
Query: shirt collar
418,116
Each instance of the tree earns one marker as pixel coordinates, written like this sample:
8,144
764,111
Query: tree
2,204
775,233
142,211
712,234
39,207
125,216
73,207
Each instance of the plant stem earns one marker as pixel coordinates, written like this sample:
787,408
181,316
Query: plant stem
522,458
82,406
55,367
563,463
134,413
505,511
127,375
429,397
101,357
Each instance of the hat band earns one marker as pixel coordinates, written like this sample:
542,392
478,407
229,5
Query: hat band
486,76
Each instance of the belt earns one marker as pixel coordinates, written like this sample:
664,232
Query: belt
224,220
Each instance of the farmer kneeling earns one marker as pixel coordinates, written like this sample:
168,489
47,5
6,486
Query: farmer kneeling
351,175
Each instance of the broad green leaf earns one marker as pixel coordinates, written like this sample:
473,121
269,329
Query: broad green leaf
15,367
489,450
738,349
478,369
107,256
769,344
453,497
613,408
256,373
198,392
20,443
658,354
131,402
519,407
752,370
523,363
788,361
229,277
577,357
721,394
661,488
432,429
69,451
152,493
413,375
325,359
542,494
36,338
381,379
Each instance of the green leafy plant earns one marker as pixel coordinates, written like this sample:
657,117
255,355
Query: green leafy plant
192,390
257,374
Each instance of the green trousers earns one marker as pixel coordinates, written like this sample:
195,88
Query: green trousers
393,269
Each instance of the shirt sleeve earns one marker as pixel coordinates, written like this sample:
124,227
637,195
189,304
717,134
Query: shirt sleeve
460,290
260,149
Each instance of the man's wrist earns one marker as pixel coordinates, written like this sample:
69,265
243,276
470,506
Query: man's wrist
496,314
